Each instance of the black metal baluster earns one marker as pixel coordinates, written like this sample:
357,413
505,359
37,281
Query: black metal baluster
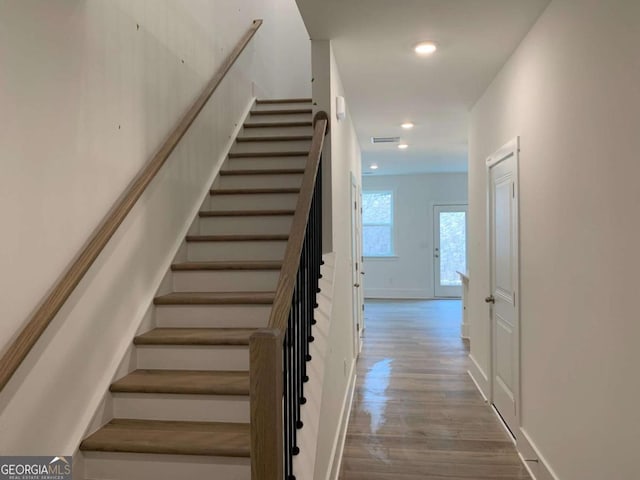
299,335
288,465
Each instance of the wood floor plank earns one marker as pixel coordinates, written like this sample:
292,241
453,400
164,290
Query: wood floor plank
195,336
416,413
215,298
193,382
166,437
228,265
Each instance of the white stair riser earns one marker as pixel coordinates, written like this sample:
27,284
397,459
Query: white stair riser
259,250
260,181
324,305
226,281
288,117
325,287
266,201
187,408
266,163
288,146
275,131
277,224
203,316
135,466
192,357
282,106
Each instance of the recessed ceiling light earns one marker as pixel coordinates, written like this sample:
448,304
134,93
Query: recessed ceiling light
403,146
425,48
407,125
373,166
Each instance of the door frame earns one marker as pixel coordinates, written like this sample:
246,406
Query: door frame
356,265
508,150
436,240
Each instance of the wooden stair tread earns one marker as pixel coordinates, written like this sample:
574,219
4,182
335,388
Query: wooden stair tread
288,111
275,138
245,213
171,438
277,124
237,238
263,171
228,265
252,191
267,101
188,382
269,154
195,336
215,298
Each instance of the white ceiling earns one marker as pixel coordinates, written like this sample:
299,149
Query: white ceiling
386,83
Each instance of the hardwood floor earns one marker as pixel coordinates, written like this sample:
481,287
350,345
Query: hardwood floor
416,413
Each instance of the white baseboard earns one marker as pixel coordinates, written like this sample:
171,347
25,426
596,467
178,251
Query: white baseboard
464,331
535,463
529,454
480,378
341,435
397,293
503,424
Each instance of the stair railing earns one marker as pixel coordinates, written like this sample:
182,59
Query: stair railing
280,352
64,287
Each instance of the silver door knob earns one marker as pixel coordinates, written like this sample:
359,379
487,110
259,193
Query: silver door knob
490,299
357,285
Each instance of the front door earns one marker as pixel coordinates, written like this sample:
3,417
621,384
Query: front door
450,249
503,298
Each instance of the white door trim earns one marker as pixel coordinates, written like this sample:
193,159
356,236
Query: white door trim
510,149
356,266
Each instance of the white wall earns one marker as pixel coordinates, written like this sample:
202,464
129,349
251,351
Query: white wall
571,92
409,273
87,92
343,153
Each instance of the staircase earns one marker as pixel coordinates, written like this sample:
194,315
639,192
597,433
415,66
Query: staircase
183,411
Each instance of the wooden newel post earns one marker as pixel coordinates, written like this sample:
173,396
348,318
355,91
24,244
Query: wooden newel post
267,456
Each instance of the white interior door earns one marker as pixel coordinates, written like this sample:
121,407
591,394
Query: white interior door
356,263
450,249
504,272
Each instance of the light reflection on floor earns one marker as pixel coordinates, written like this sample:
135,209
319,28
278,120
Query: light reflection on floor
374,390
416,413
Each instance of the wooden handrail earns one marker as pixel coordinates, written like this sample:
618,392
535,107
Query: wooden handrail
286,282
266,366
63,288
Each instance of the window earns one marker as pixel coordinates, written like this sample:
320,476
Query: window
377,224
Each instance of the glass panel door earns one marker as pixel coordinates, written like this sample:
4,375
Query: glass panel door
450,249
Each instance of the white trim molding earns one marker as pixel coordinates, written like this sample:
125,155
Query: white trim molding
535,463
341,435
397,293
465,330
479,378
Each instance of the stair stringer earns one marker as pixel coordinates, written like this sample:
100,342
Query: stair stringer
103,409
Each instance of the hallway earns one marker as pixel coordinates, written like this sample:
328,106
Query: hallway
416,413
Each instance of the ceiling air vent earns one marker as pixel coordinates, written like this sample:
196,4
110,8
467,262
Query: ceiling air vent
385,139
